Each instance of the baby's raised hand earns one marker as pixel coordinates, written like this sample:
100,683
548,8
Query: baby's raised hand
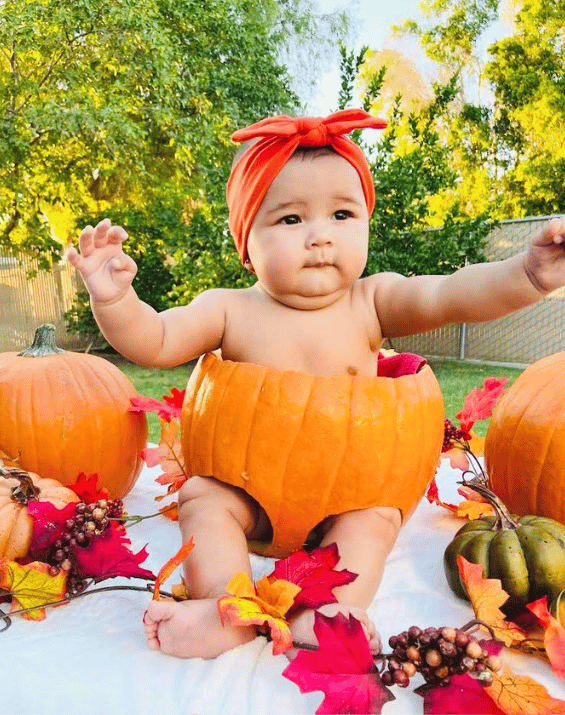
106,270
545,259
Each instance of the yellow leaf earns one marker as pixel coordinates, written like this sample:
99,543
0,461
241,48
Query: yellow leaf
247,612
473,509
522,695
31,586
486,596
278,595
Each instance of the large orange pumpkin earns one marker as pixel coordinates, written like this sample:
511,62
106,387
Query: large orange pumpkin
308,446
525,442
15,523
63,413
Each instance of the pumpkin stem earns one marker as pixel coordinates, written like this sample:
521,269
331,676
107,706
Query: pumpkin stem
23,492
43,343
503,518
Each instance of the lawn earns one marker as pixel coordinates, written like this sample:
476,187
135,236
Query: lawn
456,380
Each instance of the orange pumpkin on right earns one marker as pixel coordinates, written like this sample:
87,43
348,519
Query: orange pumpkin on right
525,442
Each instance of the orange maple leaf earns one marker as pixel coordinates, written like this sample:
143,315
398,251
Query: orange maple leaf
265,604
168,455
171,565
472,509
522,695
486,597
554,636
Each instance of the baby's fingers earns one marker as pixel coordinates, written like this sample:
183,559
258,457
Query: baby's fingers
552,232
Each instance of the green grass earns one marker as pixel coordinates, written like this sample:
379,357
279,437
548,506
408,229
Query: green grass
456,380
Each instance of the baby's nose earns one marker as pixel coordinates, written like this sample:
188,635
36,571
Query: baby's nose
319,235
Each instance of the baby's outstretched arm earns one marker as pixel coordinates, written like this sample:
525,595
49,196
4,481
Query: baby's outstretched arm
131,326
475,293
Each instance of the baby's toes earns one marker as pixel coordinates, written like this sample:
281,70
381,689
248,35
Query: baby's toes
151,627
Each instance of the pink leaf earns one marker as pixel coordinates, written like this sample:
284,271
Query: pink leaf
342,668
464,694
48,526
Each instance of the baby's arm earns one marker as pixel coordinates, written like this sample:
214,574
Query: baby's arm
479,292
131,326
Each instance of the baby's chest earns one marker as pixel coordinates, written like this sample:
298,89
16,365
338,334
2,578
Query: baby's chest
335,346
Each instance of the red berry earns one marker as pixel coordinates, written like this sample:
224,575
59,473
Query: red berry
400,678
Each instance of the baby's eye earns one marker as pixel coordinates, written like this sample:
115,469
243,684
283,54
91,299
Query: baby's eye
290,220
342,214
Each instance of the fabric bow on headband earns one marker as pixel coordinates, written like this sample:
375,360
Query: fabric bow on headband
278,139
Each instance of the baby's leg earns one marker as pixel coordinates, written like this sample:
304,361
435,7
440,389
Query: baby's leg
364,539
218,517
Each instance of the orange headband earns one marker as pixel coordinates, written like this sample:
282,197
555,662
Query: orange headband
280,136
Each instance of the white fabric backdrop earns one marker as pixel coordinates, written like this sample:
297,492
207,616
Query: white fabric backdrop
90,657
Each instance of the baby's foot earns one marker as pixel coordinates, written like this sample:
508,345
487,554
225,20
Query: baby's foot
192,629
302,626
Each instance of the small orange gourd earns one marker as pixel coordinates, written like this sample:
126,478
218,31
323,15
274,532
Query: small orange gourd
525,441
63,413
17,487
307,446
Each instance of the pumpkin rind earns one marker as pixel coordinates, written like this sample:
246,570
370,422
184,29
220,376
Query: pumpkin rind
242,423
525,441
68,413
15,524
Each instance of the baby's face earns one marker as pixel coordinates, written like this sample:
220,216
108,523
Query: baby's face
308,242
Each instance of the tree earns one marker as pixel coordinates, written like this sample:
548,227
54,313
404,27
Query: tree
115,104
411,170
509,150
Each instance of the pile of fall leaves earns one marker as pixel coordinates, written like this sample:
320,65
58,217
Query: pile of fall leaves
342,665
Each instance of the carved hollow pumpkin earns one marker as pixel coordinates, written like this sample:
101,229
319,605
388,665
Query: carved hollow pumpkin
308,446
527,553
17,487
63,413
525,442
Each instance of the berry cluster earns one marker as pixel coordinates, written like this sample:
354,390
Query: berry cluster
437,653
451,434
90,520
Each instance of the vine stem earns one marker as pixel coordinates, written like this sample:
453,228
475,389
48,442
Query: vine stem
135,519
7,617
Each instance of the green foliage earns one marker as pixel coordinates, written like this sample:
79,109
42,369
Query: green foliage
108,104
410,167
510,151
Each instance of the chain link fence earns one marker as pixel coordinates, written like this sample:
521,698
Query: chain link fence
519,339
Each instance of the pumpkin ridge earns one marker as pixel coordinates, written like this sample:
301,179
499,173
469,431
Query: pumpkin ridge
71,380
423,436
284,480
331,489
220,404
535,478
558,423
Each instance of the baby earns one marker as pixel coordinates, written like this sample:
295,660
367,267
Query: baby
299,197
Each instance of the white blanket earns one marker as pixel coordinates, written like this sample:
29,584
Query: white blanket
90,657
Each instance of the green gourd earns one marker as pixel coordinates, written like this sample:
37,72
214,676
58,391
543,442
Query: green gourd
527,553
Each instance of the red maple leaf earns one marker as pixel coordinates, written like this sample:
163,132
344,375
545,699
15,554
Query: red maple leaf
48,526
314,573
480,402
86,489
171,406
342,668
464,694
108,556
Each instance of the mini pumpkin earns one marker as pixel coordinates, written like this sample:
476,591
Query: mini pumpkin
527,553
308,446
525,441
63,413
17,488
